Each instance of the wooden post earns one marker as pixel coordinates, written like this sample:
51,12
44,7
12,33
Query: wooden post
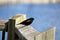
11,29
4,30
16,37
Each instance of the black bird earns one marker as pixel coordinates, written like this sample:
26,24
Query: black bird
27,22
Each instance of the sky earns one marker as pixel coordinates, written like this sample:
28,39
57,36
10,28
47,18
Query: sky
45,15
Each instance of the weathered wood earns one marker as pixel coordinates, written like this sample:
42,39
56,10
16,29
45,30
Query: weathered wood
16,37
19,18
2,24
26,32
46,35
11,29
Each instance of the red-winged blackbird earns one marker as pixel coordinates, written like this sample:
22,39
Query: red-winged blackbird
27,22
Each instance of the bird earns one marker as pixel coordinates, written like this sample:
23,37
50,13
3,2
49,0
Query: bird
27,22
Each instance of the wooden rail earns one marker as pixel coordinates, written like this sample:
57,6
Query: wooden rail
15,34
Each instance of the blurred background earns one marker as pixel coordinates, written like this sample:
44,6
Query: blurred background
45,12
29,1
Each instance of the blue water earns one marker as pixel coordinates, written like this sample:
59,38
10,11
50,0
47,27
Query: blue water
46,15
